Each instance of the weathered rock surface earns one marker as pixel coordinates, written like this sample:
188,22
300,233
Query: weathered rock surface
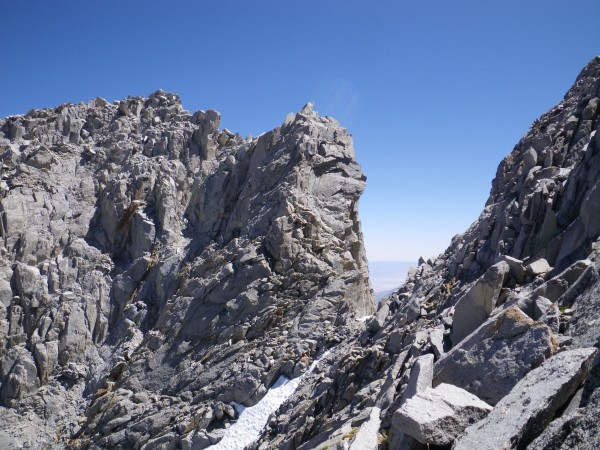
496,356
539,267
437,416
574,429
540,194
520,416
162,268
156,271
421,376
367,437
477,304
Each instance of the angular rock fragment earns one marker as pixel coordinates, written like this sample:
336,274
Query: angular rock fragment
554,288
517,269
421,376
367,436
520,416
538,267
490,361
438,415
477,304
589,211
575,428
540,307
436,338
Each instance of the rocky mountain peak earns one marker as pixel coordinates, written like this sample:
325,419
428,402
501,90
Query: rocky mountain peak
147,253
492,344
166,284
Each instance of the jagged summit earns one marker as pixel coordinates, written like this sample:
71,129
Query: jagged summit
155,268
158,275
503,321
590,71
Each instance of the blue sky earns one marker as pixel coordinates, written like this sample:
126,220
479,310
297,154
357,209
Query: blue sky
435,93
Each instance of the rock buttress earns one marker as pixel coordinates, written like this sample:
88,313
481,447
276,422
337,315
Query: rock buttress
155,268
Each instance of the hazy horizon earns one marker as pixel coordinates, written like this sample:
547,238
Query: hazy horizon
388,275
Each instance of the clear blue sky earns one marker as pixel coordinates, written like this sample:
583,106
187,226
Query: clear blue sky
435,93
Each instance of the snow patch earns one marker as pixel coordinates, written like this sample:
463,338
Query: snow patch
239,408
253,419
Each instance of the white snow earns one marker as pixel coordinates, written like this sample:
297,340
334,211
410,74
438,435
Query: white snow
238,407
253,419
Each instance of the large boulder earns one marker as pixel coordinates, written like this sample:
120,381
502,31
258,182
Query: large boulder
538,267
421,376
519,417
367,436
437,416
576,428
517,269
478,303
490,361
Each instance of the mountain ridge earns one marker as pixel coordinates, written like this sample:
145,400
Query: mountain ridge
147,254
464,303
156,271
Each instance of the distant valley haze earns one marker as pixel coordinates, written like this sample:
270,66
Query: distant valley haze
386,276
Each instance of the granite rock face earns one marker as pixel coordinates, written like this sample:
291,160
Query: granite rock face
158,274
490,361
478,303
528,408
516,292
437,416
155,268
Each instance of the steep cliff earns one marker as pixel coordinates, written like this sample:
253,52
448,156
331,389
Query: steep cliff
155,269
158,275
505,320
